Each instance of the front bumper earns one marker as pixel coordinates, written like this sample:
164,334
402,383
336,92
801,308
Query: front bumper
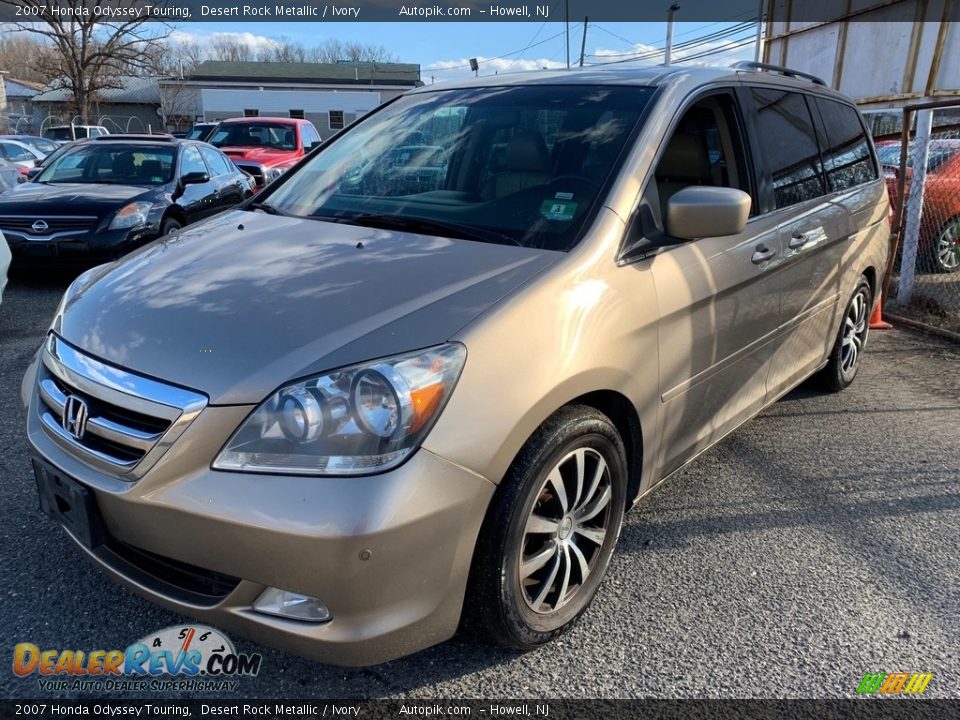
388,554
90,247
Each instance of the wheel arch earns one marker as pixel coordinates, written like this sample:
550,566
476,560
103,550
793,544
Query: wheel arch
175,212
626,419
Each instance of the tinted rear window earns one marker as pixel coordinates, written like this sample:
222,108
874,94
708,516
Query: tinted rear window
790,146
846,150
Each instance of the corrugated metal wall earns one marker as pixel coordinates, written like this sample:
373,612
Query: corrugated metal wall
884,55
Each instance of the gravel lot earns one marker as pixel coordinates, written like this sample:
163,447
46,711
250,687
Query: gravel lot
817,543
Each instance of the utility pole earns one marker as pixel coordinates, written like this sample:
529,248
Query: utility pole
583,42
670,13
758,48
567,4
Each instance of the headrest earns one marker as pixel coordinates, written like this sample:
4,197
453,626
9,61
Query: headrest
150,168
684,159
527,152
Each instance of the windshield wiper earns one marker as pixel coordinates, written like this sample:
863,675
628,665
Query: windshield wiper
265,207
427,226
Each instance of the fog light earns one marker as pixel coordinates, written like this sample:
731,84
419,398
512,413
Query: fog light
295,606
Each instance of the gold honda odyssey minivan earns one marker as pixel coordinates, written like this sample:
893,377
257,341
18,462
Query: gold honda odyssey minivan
415,384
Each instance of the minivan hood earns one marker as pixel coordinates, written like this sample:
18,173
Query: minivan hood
240,304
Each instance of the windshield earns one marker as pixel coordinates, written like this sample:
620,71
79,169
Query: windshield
39,144
60,133
110,163
198,132
520,165
937,155
272,135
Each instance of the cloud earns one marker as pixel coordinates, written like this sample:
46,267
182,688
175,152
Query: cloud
458,69
207,39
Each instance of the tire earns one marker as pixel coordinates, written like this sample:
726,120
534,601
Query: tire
943,255
564,550
169,225
851,340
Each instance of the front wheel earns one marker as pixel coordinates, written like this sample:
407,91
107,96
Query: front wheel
551,528
169,225
851,340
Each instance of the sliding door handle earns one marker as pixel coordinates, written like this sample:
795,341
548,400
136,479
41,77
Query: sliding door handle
762,254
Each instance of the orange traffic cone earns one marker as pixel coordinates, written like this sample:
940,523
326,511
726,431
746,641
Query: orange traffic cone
876,319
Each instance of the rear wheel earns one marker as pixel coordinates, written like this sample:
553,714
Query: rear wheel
851,340
550,531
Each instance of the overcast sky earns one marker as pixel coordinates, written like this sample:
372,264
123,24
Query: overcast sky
443,49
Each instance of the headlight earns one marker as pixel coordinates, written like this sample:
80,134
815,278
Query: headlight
131,216
362,419
274,173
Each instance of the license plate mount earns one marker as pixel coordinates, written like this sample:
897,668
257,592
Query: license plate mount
69,503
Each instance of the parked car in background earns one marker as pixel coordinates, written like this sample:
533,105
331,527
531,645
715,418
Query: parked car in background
345,423
66,133
939,245
201,131
100,198
10,175
41,145
265,147
4,264
20,154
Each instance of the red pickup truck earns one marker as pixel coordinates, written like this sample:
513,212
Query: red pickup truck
265,147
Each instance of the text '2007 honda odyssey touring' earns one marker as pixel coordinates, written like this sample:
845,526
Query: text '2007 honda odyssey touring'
418,382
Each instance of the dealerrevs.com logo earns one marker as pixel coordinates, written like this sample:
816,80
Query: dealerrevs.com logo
894,683
178,658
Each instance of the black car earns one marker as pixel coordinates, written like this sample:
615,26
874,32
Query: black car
100,198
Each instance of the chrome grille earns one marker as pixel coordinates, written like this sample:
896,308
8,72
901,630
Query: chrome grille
254,171
23,224
129,420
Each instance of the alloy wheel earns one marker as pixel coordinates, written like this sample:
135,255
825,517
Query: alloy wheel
854,332
565,530
948,246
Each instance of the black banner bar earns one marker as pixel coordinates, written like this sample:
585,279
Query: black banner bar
857,709
245,11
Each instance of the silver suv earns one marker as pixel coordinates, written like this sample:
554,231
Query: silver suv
418,381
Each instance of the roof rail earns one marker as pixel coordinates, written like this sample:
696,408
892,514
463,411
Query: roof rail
751,65
157,137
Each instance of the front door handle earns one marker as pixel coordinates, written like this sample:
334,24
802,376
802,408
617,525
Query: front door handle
797,241
762,254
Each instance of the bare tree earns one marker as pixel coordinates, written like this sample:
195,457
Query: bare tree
230,49
89,51
20,55
333,50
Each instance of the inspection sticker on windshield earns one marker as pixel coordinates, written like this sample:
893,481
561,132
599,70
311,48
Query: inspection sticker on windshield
558,209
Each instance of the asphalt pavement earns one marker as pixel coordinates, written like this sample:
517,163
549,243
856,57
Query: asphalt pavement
815,544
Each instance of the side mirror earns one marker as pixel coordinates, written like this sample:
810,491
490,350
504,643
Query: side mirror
194,178
697,212
33,172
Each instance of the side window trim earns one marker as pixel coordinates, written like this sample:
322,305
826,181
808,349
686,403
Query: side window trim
768,204
821,125
642,213
203,162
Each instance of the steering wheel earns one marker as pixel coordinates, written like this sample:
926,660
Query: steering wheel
575,178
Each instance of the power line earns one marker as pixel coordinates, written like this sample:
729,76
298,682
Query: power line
656,52
726,32
745,14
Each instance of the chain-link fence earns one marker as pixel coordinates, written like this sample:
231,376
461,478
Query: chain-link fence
922,166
